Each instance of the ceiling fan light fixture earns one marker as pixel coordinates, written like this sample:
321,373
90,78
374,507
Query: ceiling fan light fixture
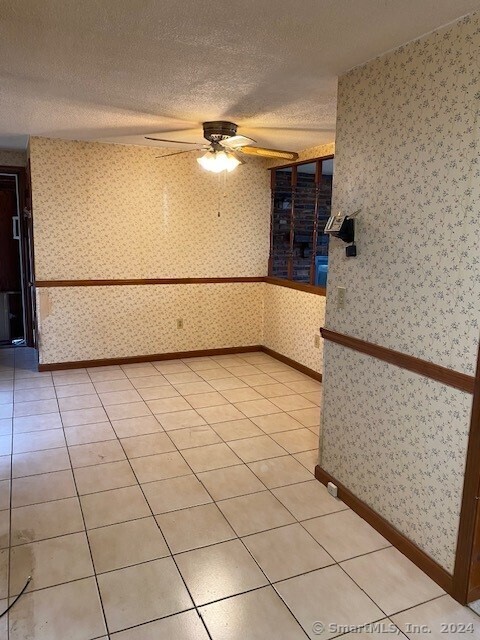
218,161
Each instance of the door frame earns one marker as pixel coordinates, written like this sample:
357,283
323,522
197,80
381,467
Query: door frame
26,251
467,557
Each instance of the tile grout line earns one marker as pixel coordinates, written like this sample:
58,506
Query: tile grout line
164,538
156,522
241,540
237,538
183,475
213,501
272,585
299,522
11,493
158,415
9,572
253,558
84,522
241,463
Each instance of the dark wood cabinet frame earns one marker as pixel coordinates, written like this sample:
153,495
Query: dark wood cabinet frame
318,176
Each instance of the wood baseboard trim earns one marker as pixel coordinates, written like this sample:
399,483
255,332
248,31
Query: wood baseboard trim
79,364
423,561
449,377
292,363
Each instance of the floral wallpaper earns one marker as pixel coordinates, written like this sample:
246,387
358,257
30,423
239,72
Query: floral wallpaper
292,319
112,322
114,211
13,158
119,211
407,155
398,441
105,211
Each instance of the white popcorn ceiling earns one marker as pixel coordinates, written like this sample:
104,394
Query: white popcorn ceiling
115,70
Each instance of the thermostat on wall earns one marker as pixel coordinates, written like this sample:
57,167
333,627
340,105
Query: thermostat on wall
334,224
342,227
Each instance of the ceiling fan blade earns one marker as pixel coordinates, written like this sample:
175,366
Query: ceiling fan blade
235,142
236,155
269,153
173,141
292,138
177,153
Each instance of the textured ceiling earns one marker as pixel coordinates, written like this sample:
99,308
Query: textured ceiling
115,70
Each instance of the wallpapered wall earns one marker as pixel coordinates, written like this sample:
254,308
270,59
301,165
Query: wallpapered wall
397,441
13,158
118,321
407,155
292,319
88,323
118,211
114,212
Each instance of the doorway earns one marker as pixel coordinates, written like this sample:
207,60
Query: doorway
17,303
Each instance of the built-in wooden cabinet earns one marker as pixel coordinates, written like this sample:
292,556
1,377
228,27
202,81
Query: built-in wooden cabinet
301,205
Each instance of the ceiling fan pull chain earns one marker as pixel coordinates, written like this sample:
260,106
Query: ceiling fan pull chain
219,197
221,192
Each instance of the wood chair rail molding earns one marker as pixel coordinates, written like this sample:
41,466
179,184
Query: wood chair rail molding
141,281
446,376
299,286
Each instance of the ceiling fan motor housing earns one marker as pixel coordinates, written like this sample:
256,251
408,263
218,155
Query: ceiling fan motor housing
219,130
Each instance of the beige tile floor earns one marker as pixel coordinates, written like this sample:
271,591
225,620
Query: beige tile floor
176,500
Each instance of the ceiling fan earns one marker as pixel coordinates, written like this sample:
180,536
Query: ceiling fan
225,149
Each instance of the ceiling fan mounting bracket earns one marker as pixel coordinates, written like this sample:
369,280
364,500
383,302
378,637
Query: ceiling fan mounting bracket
219,130
216,146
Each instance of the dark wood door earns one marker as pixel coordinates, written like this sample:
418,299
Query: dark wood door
15,182
10,250
26,230
10,274
29,278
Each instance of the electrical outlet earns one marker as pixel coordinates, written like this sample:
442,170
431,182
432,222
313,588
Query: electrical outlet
341,291
180,323
316,342
332,489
